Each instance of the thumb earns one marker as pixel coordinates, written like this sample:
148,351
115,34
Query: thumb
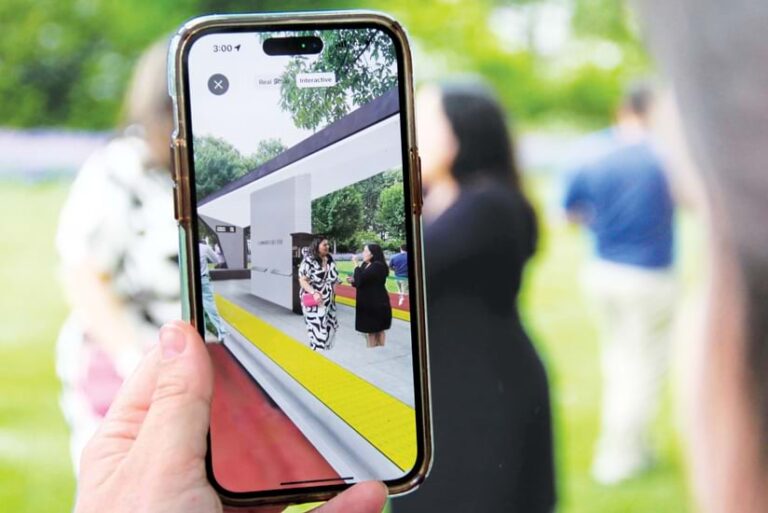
366,497
176,425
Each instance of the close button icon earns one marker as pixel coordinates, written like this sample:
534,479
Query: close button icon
218,84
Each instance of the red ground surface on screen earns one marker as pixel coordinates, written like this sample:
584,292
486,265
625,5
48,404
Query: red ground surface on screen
255,446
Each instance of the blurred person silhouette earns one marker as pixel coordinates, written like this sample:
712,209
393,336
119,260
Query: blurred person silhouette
621,194
490,396
373,311
211,312
118,246
222,260
715,56
399,264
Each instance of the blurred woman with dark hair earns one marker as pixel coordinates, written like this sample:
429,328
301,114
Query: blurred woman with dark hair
373,311
318,277
490,397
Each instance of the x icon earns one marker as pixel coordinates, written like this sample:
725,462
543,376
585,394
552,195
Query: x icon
218,84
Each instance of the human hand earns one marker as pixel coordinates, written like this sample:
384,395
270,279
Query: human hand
149,453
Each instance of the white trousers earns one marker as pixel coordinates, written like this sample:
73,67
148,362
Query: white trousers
635,308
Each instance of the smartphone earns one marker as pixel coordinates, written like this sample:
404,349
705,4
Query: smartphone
298,200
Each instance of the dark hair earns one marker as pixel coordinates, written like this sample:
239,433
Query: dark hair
485,145
486,150
718,68
403,247
638,97
314,249
378,253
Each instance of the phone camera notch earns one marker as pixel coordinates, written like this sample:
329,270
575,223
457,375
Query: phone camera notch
304,45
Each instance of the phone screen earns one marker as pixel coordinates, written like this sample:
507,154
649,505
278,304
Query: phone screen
304,261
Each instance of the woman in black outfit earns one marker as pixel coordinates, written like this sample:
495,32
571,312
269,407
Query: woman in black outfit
373,312
490,397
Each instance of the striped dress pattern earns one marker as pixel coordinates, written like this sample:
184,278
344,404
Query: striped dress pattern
320,319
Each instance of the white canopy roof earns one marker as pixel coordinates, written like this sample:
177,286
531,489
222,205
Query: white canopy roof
350,160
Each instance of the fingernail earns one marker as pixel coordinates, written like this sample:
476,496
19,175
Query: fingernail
172,341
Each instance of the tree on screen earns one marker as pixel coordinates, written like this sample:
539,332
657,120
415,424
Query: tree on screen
338,215
364,64
218,163
370,190
266,151
391,213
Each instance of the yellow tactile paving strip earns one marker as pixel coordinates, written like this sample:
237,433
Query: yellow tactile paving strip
396,313
386,422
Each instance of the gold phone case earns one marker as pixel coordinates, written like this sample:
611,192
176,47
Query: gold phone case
185,214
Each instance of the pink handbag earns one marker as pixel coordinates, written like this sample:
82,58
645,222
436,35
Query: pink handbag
308,300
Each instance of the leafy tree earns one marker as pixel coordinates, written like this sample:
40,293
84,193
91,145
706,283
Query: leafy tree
607,19
391,213
363,62
370,191
360,202
363,237
265,151
453,37
338,215
217,163
67,62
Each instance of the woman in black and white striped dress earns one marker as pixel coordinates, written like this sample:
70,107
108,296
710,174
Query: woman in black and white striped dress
318,277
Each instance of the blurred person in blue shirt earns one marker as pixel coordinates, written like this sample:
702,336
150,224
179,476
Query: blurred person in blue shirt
399,264
620,192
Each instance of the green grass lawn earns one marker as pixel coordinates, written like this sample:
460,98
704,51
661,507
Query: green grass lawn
35,473
35,470
562,328
347,268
